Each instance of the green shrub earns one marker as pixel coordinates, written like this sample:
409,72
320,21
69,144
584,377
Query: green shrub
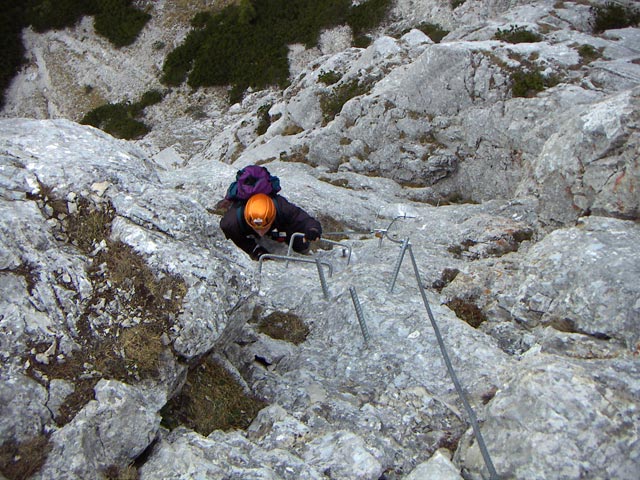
329,78
613,15
528,82
362,41
116,20
264,119
12,20
246,44
179,62
332,103
121,119
367,15
119,22
433,31
45,15
456,3
517,34
149,98
588,53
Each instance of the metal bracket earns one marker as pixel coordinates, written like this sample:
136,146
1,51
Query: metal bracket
317,261
333,242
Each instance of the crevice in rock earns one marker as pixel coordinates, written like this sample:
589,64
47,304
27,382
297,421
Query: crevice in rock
211,399
467,310
262,361
26,271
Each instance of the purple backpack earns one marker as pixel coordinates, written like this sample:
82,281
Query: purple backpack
251,180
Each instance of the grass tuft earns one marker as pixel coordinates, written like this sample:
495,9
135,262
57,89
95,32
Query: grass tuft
588,53
517,34
284,326
468,311
22,460
211,399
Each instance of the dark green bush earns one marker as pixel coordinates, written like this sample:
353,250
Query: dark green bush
331,103
433,31
150,98
12,20
613,15
264,119
115,19
362,40
367,15
200,19
517,34
46,15
329,78
528,82
121,119
456,3
116,119
179,62
588,53
246,44
119,22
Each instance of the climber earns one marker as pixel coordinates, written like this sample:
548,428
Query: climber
268,216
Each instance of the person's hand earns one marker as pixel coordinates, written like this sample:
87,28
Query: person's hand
312,234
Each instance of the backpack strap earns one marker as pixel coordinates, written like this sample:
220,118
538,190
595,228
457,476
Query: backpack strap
240,216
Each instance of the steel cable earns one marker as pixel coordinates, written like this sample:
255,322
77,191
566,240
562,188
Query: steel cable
472,417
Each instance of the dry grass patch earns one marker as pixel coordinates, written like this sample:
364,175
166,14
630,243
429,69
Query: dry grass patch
89,225
211,399
21,460
284,326
468,311
128,272
448,275
124,328
114,472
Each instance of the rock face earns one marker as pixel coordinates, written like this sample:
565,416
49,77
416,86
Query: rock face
520,213
602,174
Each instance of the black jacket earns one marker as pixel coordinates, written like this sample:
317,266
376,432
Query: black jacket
290,219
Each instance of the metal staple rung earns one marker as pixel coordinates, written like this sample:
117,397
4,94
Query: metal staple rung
360,315
317,261
323,281
403,250
333,242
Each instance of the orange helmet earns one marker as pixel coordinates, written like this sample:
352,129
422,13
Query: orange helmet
260,212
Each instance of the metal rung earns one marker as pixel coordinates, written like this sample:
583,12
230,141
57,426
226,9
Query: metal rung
317,261
333,242
341,245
